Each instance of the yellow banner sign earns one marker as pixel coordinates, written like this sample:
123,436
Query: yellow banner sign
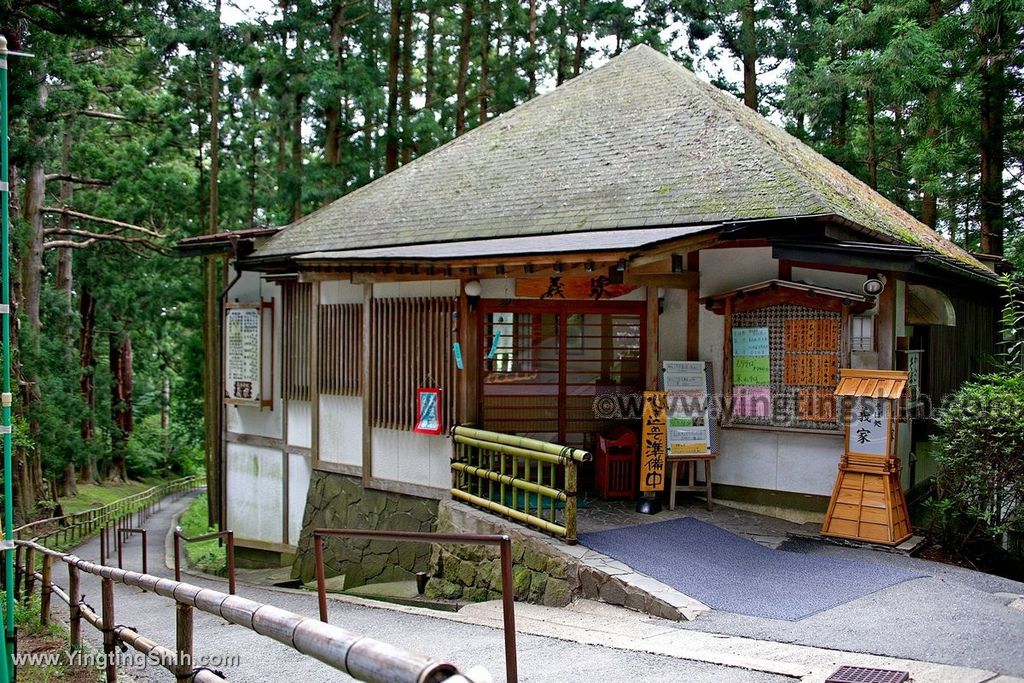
654,449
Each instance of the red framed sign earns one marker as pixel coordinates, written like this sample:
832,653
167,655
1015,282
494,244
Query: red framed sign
428,411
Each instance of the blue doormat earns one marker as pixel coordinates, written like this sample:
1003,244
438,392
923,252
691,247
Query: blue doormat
733,574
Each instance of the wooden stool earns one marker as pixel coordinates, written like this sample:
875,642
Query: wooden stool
691,484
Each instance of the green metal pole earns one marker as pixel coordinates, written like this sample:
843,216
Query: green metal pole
7,662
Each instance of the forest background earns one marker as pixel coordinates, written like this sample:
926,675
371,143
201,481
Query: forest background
140,123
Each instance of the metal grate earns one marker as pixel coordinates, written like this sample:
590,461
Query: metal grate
861,674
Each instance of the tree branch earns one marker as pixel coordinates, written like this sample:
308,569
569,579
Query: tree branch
77,179
64,211
93,237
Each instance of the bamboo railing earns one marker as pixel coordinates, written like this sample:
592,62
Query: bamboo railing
362,658
524,479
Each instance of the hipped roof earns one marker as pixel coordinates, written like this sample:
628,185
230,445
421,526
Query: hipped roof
639,142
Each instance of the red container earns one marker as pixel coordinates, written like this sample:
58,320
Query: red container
615,464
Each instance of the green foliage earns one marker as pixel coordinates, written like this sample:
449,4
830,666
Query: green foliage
154,452
1013,322
980,464
206,556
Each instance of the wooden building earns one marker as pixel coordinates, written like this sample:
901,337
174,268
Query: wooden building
559,254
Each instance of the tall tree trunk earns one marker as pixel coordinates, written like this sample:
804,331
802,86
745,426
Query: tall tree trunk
429,67
562,53
929,204
748,41
394,57
869,122
405,92
298,151
165,413
120,403
87,375
32,267
485,58
332,113
64,254
531,56
461,100
581,23
992,66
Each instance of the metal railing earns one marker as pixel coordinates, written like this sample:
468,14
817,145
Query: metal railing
227,534
69,530
504,544
362,658
524,479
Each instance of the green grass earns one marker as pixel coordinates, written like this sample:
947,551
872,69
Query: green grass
207,556
50,639
97,495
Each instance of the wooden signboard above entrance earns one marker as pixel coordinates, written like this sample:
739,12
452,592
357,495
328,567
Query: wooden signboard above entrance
595,288
867,501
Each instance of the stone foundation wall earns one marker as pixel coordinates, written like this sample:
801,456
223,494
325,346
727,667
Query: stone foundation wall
473,573
336,501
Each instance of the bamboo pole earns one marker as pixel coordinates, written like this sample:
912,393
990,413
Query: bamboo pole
522,442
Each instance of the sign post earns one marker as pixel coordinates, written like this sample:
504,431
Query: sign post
867,501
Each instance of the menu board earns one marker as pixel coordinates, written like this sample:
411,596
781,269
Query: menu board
688,415
751,372
242,355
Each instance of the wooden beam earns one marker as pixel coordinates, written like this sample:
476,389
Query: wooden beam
314,370
652,360
886,324
323,276
368,388
687,280
693,309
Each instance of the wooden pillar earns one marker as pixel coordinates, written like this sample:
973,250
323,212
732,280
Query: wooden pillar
468,378
314,374
653,362
886,325
109,641
47,591
693,310
183,642
75,608
367,380
727,360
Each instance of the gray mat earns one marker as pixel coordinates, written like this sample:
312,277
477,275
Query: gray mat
733,574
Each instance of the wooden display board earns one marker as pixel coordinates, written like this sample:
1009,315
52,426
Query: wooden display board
245,361
867,501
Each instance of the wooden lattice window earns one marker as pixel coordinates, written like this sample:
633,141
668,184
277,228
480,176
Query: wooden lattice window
412,348
341,349
297,323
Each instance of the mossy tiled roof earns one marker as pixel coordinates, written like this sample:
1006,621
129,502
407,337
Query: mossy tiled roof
638,142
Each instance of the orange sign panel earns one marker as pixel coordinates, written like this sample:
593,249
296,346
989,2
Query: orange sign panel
654,444
595,288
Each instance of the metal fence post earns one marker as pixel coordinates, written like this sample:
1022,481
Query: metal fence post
109,640
231,562
75,609
183,644
508,612
47,591
321,589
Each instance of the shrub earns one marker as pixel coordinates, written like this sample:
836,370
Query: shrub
981,463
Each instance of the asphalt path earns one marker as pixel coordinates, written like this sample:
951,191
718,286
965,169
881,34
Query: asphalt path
245,656
952,616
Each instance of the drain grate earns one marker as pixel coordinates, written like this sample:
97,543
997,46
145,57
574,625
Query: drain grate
861,674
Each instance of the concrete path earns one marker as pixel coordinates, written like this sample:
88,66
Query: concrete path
596,642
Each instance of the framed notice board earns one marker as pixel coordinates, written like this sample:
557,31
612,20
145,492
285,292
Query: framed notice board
247,359
691,415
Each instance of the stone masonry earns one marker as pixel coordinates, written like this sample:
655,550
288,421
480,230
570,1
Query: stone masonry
336,501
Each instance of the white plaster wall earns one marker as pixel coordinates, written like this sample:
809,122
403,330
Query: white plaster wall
253,420
723,270
672,326
298,485
255,487
783,461
413,458
398,290
338,292
341,429
300,421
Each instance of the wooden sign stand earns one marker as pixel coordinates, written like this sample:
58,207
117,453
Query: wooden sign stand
867,501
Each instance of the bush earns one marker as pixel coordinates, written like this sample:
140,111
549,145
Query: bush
981,464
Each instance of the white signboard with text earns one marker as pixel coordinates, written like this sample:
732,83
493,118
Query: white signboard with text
242,355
